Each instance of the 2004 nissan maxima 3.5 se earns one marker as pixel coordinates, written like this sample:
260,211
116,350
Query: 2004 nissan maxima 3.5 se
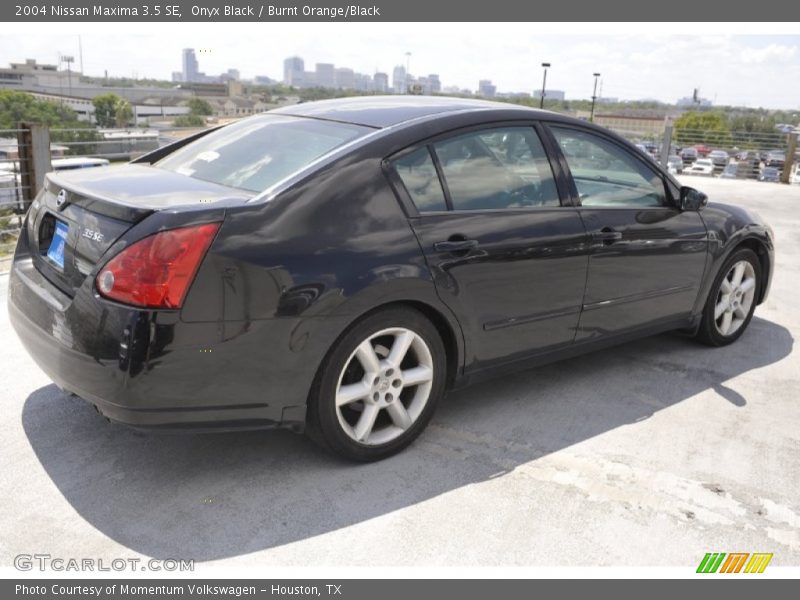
335,267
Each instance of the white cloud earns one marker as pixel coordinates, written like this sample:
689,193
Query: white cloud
773,53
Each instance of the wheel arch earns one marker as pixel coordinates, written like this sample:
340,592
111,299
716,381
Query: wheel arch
760,248
447,327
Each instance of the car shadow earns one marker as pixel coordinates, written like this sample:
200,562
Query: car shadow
212,496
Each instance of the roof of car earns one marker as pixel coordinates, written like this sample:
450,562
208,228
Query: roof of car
385,111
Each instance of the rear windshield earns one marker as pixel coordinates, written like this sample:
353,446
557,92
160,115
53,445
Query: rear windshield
254,154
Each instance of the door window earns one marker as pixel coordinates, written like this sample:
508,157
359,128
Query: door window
607,175
420,179
497,168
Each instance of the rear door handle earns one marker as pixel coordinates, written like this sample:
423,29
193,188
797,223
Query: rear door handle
455,246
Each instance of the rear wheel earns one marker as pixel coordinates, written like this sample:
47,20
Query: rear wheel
379,385
732,300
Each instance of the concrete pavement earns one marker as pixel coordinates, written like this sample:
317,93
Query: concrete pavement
651,453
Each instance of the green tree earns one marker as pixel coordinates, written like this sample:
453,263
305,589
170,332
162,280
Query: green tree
708,127
189,121
112,111
200,107
105,109
123,113
16,107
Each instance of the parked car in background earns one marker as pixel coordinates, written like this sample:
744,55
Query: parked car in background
689,155
337,266
702,166
749,155
775,158
770,174
77,162
675,163
795,175
741,169
702,150
719,158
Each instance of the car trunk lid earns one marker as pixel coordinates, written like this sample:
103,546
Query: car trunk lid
80,214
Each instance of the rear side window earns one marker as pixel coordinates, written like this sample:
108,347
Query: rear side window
256,153
419,176
501,168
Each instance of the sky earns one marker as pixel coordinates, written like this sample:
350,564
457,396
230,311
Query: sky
636,61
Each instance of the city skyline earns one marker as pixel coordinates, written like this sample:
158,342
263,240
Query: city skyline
666,68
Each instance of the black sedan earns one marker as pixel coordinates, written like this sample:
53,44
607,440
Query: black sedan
336,267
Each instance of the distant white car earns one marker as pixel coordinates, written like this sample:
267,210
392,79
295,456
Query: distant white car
702,166
77,162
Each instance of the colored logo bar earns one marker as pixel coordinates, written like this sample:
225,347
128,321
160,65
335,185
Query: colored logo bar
734,562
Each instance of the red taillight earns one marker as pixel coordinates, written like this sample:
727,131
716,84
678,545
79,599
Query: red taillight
158,270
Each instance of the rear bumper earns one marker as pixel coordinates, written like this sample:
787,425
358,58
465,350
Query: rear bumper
149,369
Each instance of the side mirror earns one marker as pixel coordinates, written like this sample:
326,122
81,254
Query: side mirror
692,199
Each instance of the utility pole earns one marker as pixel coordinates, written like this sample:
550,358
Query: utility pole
666,143
594,97
791,149
544,84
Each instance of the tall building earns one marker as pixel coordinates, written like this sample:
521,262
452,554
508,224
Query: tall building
399,80
294,71
380,82
190,67
486,89
325,75
550,94
345,79
431,84
363,82
234,74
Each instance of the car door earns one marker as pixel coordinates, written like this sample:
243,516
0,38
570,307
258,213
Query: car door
648,256
507,257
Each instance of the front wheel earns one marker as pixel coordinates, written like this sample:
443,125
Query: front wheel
732,299
379,385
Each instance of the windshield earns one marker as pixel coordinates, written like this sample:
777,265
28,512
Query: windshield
256,153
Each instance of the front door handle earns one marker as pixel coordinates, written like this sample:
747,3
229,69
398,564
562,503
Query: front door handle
607,236
456,246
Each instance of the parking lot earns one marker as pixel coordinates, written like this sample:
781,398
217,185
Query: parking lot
651,453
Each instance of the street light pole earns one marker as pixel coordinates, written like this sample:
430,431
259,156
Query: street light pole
69,60
594,97
544,83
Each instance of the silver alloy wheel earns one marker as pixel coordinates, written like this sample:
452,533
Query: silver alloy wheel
384,386
735,298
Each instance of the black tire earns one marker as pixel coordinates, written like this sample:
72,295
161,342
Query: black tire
323,425
708,332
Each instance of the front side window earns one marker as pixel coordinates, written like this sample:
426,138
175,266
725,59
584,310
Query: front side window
607,175
257,153
499,168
